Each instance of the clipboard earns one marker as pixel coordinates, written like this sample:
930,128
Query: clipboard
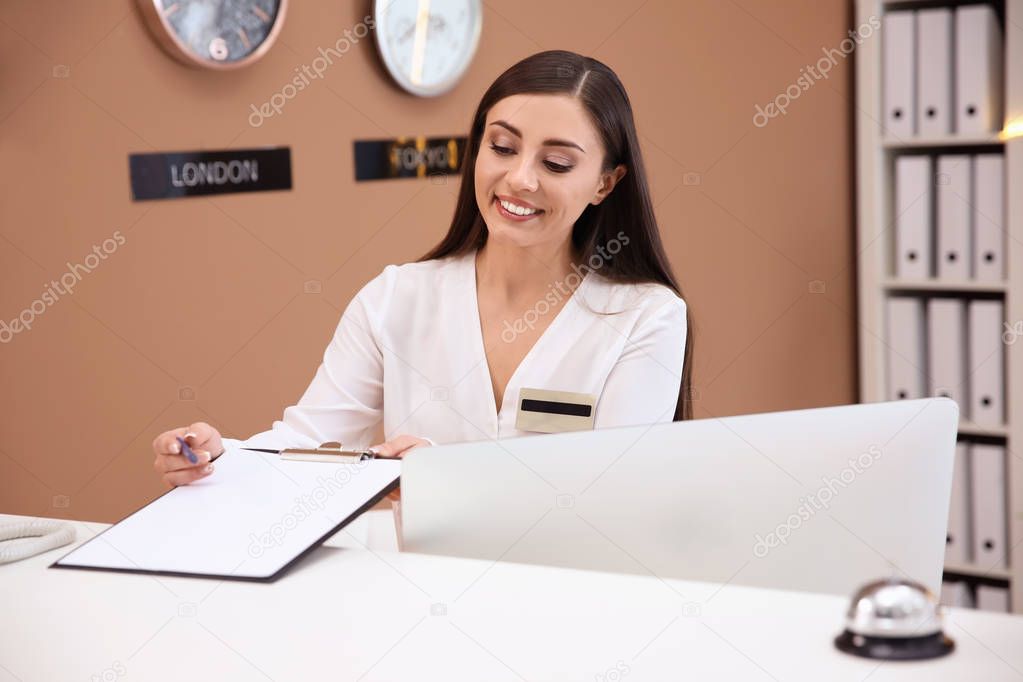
252,519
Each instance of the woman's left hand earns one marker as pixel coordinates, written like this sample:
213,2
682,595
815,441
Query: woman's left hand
398,447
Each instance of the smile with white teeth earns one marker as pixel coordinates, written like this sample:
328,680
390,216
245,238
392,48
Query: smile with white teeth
516,209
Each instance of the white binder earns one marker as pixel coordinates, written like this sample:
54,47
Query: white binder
905,347
953,217
913,182
989,217
986,363
987,493
958,544
992,598
898,52
956,593
978,73
946,349
934,72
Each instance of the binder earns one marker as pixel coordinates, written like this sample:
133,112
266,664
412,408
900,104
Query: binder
946,349
993,598
905,347
934,72
913,181
958,543
953,217
989,217
978,72
898,53
987,493
956,593
986,363
251,519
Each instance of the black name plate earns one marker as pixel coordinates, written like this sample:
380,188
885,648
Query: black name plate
174,175
408,157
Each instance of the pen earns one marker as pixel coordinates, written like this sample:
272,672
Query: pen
187,451
322,454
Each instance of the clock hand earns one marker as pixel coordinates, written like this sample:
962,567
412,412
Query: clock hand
219,25
419,47
437,22
405,36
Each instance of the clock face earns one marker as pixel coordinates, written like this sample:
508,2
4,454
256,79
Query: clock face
428,44
215,33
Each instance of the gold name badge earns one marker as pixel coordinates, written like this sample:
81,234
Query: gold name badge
554,411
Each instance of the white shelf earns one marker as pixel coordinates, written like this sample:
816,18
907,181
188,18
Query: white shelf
937,285
990,140
968,428
979,571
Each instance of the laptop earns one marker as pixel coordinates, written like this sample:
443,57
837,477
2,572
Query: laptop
820,500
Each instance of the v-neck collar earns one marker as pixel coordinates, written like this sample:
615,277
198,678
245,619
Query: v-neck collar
470,273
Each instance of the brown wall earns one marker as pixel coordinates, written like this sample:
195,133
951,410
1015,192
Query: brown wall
208,294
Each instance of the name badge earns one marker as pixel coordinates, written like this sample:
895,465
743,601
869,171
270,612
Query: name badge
554,411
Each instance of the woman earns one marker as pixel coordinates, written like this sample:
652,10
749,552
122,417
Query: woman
551,277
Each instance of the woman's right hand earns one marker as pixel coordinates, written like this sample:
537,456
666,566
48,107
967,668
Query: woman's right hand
174,467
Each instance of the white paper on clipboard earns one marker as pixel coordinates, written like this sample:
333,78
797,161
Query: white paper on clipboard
250,519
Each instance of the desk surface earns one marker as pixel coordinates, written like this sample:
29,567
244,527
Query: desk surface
366,614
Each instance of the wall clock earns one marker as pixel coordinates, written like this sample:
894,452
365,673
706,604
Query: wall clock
427,45
215,34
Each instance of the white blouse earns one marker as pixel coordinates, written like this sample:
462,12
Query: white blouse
409,350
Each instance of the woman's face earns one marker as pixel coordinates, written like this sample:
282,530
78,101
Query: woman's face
543,157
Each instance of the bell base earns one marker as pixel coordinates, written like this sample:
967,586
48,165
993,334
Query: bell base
895,648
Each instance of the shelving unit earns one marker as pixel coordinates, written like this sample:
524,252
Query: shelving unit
875,154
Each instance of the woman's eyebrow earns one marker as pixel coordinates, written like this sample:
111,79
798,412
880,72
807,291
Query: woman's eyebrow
546,143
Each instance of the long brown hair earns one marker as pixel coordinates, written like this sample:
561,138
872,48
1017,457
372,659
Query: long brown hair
626,209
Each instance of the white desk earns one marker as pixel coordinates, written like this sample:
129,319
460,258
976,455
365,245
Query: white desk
359,614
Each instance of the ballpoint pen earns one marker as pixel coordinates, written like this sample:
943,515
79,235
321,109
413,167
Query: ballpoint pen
187,451
328,452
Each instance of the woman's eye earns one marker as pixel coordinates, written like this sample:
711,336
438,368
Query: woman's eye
557,167
551,165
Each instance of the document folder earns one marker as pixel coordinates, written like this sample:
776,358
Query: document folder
898,47
914,216
934,72
954,210
978,73
989,217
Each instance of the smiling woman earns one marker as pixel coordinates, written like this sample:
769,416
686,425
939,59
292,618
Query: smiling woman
548,306
579,142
